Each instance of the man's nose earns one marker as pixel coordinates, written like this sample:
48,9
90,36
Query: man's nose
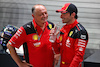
44,15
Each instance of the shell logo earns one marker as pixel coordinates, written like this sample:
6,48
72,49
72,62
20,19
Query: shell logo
35,37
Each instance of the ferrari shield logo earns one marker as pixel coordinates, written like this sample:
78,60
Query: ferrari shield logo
70,33
60,38
50,26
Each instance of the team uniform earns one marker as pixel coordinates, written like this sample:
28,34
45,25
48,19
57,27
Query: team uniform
39,48
71,44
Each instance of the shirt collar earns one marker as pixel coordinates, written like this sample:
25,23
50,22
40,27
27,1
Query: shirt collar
68,27
38,29
71,25
35,25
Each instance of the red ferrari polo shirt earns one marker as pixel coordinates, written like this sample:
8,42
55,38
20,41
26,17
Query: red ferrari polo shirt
39,47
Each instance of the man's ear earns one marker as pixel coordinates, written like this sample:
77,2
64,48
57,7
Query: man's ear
32,15
73,14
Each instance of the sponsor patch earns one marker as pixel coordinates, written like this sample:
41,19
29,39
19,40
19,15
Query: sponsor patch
50,26
11,42
68,44
29,26
63,62
18,33
81,44
60,38
83,36
70,33
37,44
35,37
80,49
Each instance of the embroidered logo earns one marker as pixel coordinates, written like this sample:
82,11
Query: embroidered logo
70,33
83,36
68,43
37,44
60,38
50,26
35,37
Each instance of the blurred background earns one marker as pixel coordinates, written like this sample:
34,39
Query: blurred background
18,12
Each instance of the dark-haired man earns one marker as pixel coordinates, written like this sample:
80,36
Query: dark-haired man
72,40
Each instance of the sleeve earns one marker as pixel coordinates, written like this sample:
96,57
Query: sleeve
56,47
19,38
80,46
58,43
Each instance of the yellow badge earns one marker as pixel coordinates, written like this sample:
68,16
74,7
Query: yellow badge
50,26
63,62
70,33
60,38
35,37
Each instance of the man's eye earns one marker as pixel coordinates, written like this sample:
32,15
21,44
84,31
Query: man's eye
40,14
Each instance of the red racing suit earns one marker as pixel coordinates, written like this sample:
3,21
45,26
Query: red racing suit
39,48
71,44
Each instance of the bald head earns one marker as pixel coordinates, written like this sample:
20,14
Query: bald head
37,7
39,13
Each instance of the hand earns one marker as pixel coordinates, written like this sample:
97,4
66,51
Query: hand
25,64
56,59
53,34
55,31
